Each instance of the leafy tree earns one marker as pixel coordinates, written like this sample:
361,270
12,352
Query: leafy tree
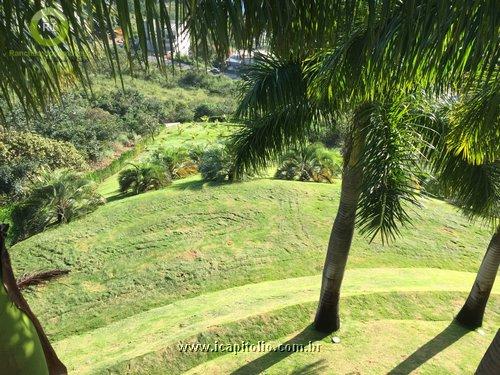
58,197
142,178
24,154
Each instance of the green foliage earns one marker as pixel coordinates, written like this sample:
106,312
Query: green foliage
91,130
276,112
389,161
142,178
220,85
140,115
219,112
310,163
217,164
23,155
177,162
56,198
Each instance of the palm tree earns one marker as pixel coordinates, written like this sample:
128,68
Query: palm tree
19,321
367,48
311,163
143,177
279,110
491,360
466,162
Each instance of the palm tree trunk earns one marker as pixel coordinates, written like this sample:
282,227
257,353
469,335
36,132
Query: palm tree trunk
327,314
471,314
24,347
490,364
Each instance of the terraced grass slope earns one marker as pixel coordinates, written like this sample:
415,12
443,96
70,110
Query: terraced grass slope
199,262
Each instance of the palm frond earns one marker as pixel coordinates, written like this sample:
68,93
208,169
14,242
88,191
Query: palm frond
389,162
276,111
475,188
475,124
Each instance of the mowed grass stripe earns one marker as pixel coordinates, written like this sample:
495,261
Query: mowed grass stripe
374,347
152,330
192,238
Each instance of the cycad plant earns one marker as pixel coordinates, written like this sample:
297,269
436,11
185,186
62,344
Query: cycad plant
56,198
143,177
309,163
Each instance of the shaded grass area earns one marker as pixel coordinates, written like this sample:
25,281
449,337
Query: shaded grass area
153,329
359,310
146,251
375,347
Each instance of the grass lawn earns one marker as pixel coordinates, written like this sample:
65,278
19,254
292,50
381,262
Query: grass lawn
199,262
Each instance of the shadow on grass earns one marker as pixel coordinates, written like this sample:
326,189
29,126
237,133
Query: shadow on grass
444,339
118,197
311,369
188,185
269,359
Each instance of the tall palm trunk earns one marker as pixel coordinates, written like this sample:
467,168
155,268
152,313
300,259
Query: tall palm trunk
24,347
327,315
471,314
490,364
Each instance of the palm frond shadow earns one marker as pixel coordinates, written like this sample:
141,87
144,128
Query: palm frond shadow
264,362
443,340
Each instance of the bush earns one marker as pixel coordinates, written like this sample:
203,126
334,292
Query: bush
181,113
177,162
216,164
23,155
141,115
91,130
311,163
142,178
219,84
213,112
57,197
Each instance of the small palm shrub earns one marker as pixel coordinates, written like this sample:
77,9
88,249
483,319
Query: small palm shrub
56,198
311,163
142,178
178,162
217,164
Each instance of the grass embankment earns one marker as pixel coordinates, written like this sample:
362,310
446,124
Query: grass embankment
174,136
203,262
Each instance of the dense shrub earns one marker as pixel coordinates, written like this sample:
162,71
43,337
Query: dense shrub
23,155
217,164
56,198
213,112
181,112
310,163
177,162
122,102
215,84
91,130
144,177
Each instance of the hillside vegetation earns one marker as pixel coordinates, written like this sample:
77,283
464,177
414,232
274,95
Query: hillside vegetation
201,262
